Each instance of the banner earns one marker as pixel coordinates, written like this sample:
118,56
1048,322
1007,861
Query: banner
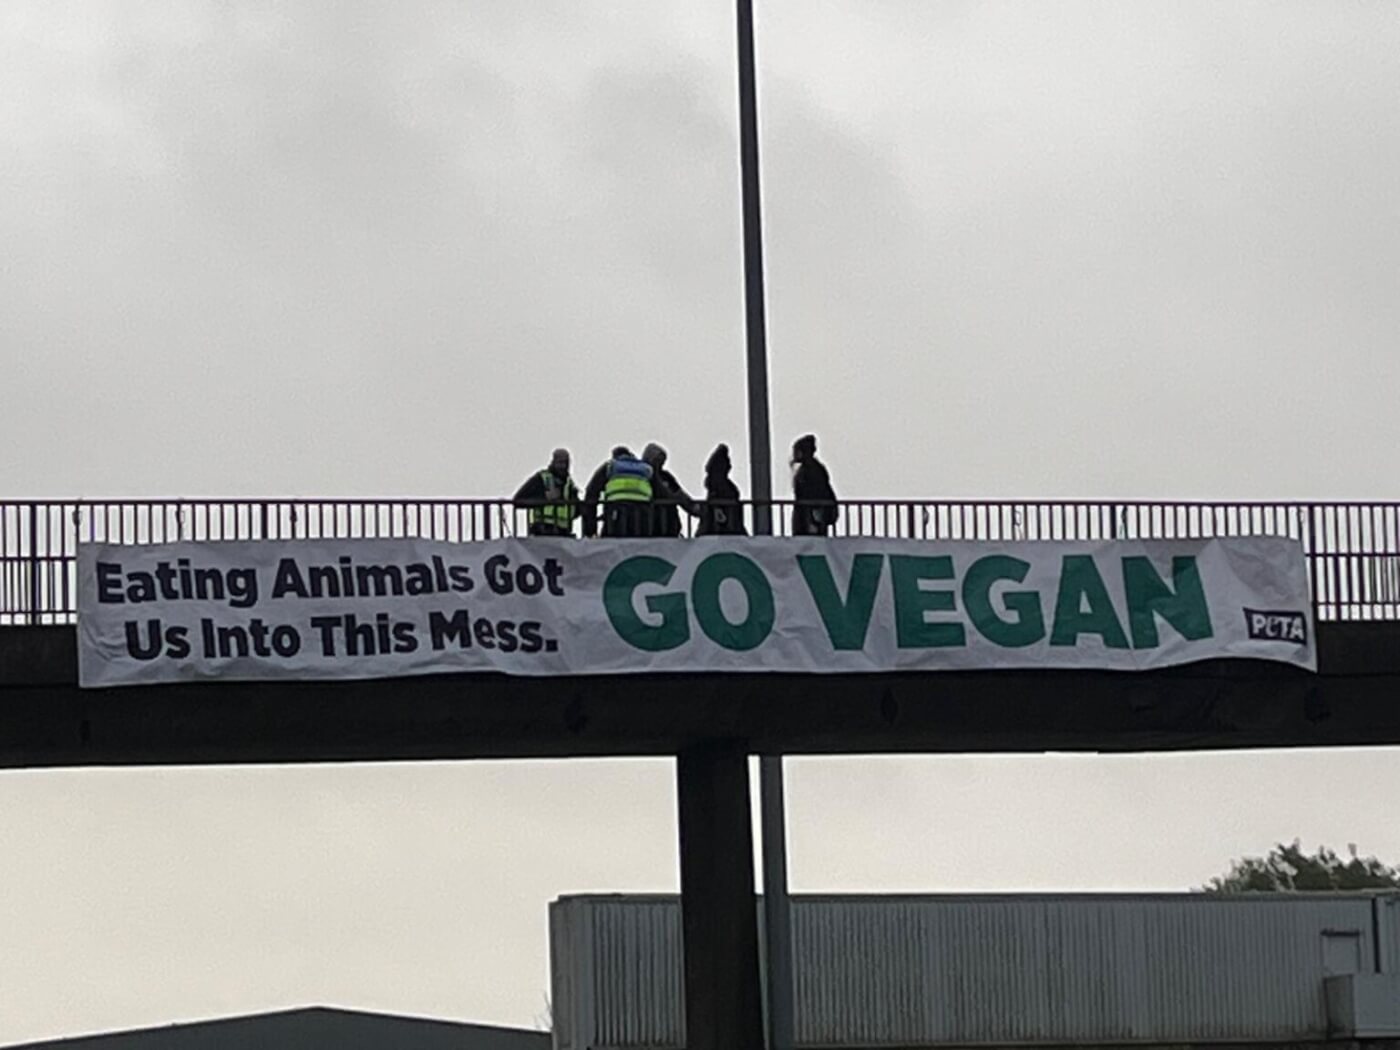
326,609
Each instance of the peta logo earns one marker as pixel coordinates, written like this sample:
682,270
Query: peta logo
1277,626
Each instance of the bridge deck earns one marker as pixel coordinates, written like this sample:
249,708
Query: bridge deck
1353,552
45,720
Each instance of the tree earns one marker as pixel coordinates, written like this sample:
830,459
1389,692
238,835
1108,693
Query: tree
1287,869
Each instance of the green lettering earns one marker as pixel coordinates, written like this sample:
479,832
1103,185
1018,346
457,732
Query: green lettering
912,631
757,624
1028,626
674,628
1149,597
847,621
1080,580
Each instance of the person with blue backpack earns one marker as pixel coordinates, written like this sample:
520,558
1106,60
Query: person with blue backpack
624,486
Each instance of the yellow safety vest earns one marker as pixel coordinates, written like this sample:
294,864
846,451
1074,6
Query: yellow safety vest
629,485
563,506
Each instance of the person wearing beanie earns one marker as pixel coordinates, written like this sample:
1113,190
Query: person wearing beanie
720,514
668,498
550,497
815,512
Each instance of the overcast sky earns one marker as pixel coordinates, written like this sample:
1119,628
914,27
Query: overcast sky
1031,249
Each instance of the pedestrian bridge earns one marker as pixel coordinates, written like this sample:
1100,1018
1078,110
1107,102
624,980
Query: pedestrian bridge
1353,557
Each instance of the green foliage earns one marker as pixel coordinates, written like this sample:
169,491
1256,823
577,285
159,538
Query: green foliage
1287,869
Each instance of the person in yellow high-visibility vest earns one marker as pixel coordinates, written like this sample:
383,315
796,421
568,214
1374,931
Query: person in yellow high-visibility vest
624,485
551,498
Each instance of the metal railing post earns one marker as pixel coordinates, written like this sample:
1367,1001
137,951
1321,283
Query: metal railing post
35,592
1310,551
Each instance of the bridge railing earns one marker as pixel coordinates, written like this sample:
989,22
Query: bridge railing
1353,549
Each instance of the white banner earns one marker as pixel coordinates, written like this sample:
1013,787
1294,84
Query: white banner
315,609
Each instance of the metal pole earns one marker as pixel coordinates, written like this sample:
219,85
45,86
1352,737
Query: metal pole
777,911
777,920
756,328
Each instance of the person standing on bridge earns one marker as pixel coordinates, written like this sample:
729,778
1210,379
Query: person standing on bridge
721,513
816,509
551,497
668,498
624,484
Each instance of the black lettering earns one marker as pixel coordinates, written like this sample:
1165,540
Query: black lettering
209,584
288,580
141,587
461,577
231,638
206,634
529,579
109,584
498,574
485,633
380,580
257,633
506,637
553,571
359,637
165,576
440,574
405,640
286,640
443,630
147,649
531,636
327,625
243,588
419,579
324,581
177,642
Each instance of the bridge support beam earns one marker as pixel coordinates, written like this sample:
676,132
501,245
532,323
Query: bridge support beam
723,1000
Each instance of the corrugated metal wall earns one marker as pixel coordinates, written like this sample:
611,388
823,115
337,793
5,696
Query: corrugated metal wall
618,977
918,971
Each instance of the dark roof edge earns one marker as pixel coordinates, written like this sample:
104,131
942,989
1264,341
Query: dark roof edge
59,1041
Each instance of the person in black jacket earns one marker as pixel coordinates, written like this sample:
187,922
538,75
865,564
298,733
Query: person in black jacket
668,498
815,512
624,485
551,498
720,514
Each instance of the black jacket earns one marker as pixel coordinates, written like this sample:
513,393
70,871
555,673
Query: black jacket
591,495
533,493
816,499
668,500
720,514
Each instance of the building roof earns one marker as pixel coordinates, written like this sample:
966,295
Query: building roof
309,1028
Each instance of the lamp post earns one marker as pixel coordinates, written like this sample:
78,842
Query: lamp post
723,985
777,922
